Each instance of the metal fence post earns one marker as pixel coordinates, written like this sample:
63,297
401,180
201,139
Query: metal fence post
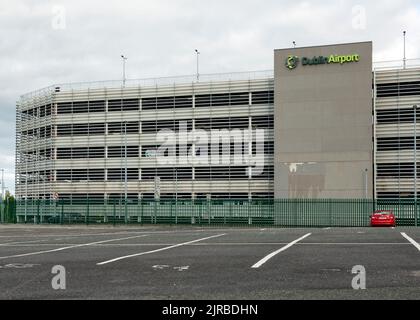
141,211
62,212
87,211
170,213
209,210
41,211
138,210
2,211
6,211
4,216
200,213
272,210
13,212
224,215
114,212
105,210
193,212
154,220
230,212
249,212
176,211
125,211
9,211
37,210
330,211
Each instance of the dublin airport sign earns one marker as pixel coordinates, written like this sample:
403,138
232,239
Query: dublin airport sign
293,61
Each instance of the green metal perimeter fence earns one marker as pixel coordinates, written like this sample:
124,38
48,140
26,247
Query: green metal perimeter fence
8,210
275,213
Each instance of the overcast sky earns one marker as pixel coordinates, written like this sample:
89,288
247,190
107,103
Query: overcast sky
47,42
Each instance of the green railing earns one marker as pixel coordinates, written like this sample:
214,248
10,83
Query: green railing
267,213
8,211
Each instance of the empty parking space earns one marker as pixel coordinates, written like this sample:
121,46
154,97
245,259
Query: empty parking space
411,240
329,266
204,263
357,236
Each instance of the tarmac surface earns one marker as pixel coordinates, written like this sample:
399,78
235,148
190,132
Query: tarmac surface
162,262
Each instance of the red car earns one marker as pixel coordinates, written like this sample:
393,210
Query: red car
383,218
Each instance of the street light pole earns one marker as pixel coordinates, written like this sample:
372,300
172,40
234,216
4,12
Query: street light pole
26,188
366,183
2,197
415,163
2,184
125,161
176,183
198,73
124,60
405,60
125,171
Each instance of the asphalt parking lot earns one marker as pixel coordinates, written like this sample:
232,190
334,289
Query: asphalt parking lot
203,263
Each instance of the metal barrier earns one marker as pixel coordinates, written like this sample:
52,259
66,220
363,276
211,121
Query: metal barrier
267,212
8,211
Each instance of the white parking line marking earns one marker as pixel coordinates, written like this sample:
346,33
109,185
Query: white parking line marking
414,243
18,266
20,242
327,228
180,232
158,250
203,244
268,257
69,247
70,235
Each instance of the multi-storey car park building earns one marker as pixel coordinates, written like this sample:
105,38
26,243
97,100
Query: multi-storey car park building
335,126
78,142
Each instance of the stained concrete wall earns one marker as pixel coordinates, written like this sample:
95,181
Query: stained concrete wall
323,124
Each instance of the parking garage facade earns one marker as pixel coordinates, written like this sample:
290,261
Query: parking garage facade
337,130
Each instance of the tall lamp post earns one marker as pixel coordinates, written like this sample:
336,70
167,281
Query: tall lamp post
415,163
124,60
2,185
2,197
125,161
198,71
125,170
405,58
